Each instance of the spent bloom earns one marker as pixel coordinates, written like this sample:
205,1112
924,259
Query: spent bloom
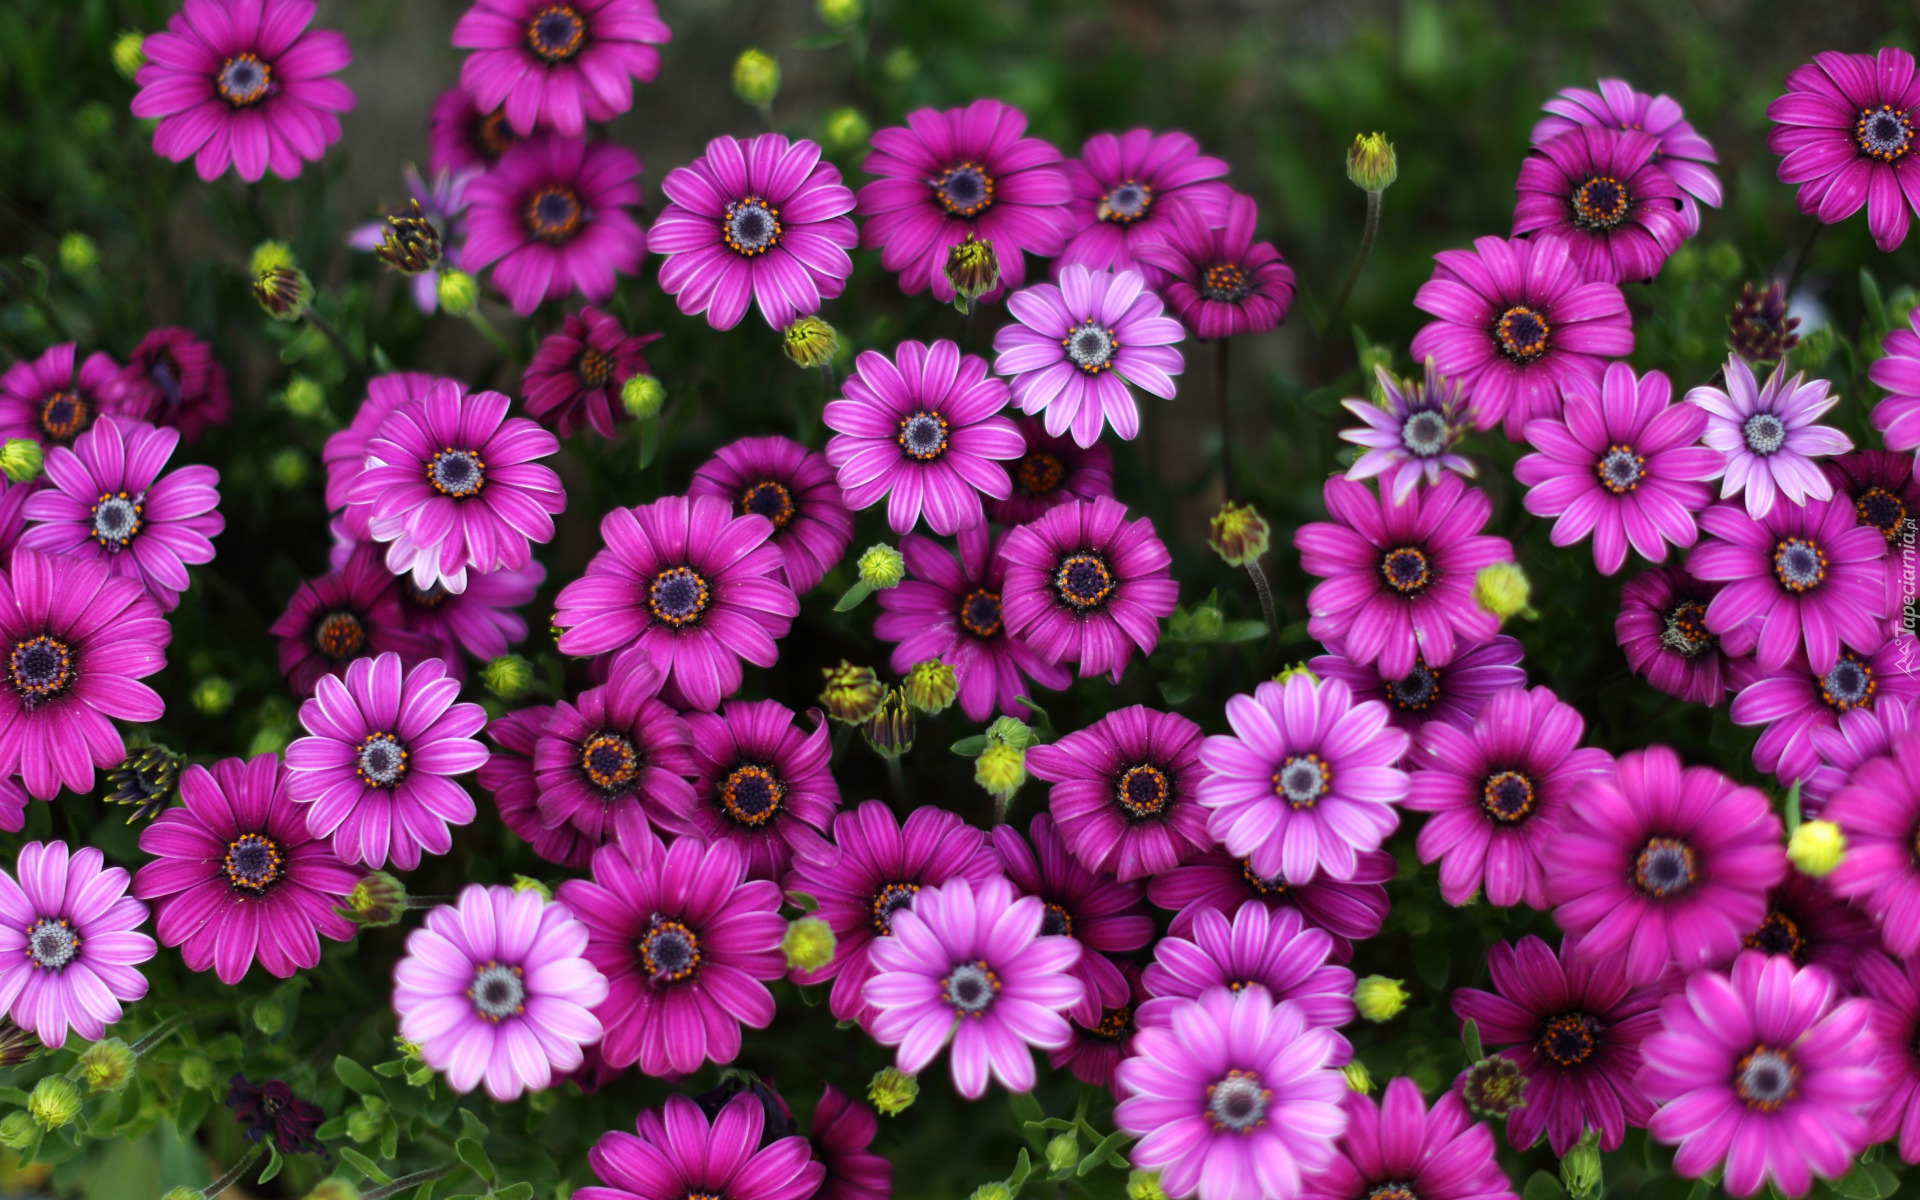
1215,278
1844,131
1767,436
1129,188
576,378
1604,192
1680,152
1410,436
417,239
68,951
553,218
558,65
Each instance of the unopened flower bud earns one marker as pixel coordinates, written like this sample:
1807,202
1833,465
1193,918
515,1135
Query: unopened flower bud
377,900
366,1120
1144,1185
1503,590
334,1189
1358,1077
285,293
304,398
268,739
810,342
900,65
508,676
892,1091
992,1191
1759,329
288,467
1012,731
1813,351
840,14
410,243
756,77
1298,668
271,256
54,1102
148,779
852,695
1371,164
643,396
1817,847
196,1072
1238,534
845,129
21,459
78,254
106,1065
808,944
1492,1087
882,567
527,883
972,267
891,729
1580,1170
16,1044
212,696
269,1015
129,52
458,292
1063,1150
17,1132
931,686
1379,998
1001,769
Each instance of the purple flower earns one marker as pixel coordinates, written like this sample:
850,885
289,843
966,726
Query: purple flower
1807,923
694,587
575,378
883,864
760,782
1053,472
508,774
1681,154
1857,735
1804,575
1497,792
1094,1051
1426,693
1573,1025
1129,188
1234,1098
345,455
1662,865
1623,466
553,218
1401,1147
754,220
1879,810
793,487
840,1131
243,83
1411,434
1398,578
677,1155
109,501
47,401
443,203
964,170
377,768
1793,703
480,621
1352,910
1881,486
271,1110
342,617
615,752
1603,191
1519,325
1077,348
1123,795
238,875
68,950
462,138
173,379
1085,585
921,429
972,965
81,639
1662,627
1843,131
1897,373
1894,990
558,65
1271,948
952,612
495,991
1306,784
1768,436
1768,1070
1216,279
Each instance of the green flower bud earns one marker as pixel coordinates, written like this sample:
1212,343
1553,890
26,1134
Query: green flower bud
808,944
1379,998
756,77
972,268
1144,1185
285,293
992,1191
106,1065
21,459
1063,1150
196,1072
1503,590
1001,769
288,467
54,1102
643,397
268,739
377,900
1358,1077
1238,534
17,1131
184,1192
212,696
78,254
129,52
891,729
892,1091
845,129
508,676
1492,1087
304,398
900,65
810,342
1817,847
882,567
1298,668
366,1120
334,1189
1580,1170
852,695
931,686
1012,731
271,256
840,14
527,883
1371,163
269,1015
459,293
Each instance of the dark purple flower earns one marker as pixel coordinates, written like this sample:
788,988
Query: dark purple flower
1882,487
1682,154
1259,947
553,219
575,378
1604,192
761,782
1085,585
1053,471
1352,910
1411,433
1424,694
1844,131
1794,702
172,378
793,487
1094,1051
271,1110
1129,188
1766,433
558,65
508,774
1123,794
1403,1149
47,401
841,1131
1217,280
480,621
1662,627
341,617
615,753
1807,923
464,139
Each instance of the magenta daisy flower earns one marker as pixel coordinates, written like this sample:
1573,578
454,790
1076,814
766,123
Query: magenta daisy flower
109,501
1805,575
1093,1051
1442,1154
1768,1071
1604,192
760,782
883,864
1234,1099
464,139
1129,188
575,378
1216,279
238,876
558,65
1573,1025
962,171
1879,810
1894,990
686,943
1791,704
1519,326
1856,736
345,454
1662,627
443,204
508,775
694,587
1053,471
1663,865
553,219
495,991
1424,694
1623,466
1897,372
952,611
678,1155
1807,923
615,751
1843,131
1307,781
1411,434
840,1132
246,84
1352,910
1123,795
921,429
1881,486
378,766
1680,153
1767,435
1077,349
1496,793
48,401
173,379
81,640
343,617
757,220
791,486
68,950
480,621
1398,578
1085,585
1273,948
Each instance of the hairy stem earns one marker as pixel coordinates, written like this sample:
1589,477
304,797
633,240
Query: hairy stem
1259,578
1226,426
1353,275
235,1172
405,1182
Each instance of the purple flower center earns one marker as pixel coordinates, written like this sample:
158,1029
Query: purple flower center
1406,570
1237,1102
1620,469
253,862
1764,433
751,226
595,369
1799,564
969,988
1127,203
1302,779
1143,791
1883,133
678,596
888,901
1849,685
64,416
1392,1190
1083,581
1225,283
1261,885
41,668
340,636
116,518
164,371
1883,510
1508,797
1039,473
670,950
554,214
965,190
1115,1023
609,761
1686,632
52,943
1418,691
980,613
1600,204
556,32
751,795
381,761
457,473
770,500
497,992
923,435
1665,867
1569,1038
1091,346
1055,921
1779,933
244,79
1425,434
1521,334
1766,1078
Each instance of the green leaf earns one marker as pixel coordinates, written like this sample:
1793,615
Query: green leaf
970,747
274,1163
14,1096
649,441
1793,807
1109,1146
1025,1108
1870,296
1243,631
357,1077
1543,1186
855,594
470,1153
517,1191
364,1165
471,1127
331,1128
1048,1125
1470,1038
193,1110
1866,1181
1021,1169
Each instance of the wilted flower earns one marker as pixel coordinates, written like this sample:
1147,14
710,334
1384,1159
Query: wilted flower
272,1110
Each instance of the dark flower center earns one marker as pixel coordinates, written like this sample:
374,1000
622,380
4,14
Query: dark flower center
1225,283
1055,921
116,518
382,761
970,988
609,761
497,992
1424,433
1261,885
339,636
1115,1023
554,214
1883,133
1521,334
1665,867
670,951
1143,791
923,435
1600,204
1418,691
1849,685
1238,1102
1406,570
492,136
243,80
965,190
770,500
1392,1190
1620,470
1508,797
1799,564
1302,779
1569,1038
52,943
1779,933
556,32
980,613
751,795
1091,346
1686,631
41,667
678,596
888,901
1127,203
1766,1078
1039,473
456,473
253,862
164,371
751,226
1764,433
1883,510
594,368
64,416
1083,581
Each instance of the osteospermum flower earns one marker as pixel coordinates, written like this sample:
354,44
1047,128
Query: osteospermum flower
1496,793
246,85
793,487
840,1132
1894,990
342,617
1411,434
1233,1099
574,380
553,218
1093,1051
495,991
238,877
962,171
1519,326
1792,703
109,501
1573,1026
677,1155
1897,372
1424,694
68,950
377,769
1307,782
1856,736
921,429
1129,188
1352,910
345,454
760,782
1845,132
1808,924
754,220
1216,279
558,65
1401,1146
1881,486
480,621
1078,348
1052,472
1622,466
1085,585
1272,948
464,139
1604,192
1663,865
1879,810
1768,437
1662,627
1681,153
442,204
1767,1070
614,751
50,402
1398,578
1123,795
508,774
694,587
172,378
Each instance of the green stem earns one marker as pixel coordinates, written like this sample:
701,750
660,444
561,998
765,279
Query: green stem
410,1181
235,1172
896,776
1259,578
1353,274
1801,256
966,322
1226,434
340,346
163,1031
494,338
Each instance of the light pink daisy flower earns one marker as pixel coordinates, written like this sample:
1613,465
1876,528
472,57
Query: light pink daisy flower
1768,436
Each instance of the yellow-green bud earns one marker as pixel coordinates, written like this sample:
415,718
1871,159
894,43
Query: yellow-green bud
284,293
840,14
643,396
54,1102
527,883
900,64
17,1130
196,1072
1358,1077
212,696
1503,590
1817,847
1144,1185
810,342
1238,534
268,739
366,1120
183,1192
1379,998
892,1091
845,129
851,694
1371,163
269,1015
271,256
106,1065
334,1189
304,398
1298,668
1013,731
458,292
78,254
377,900
288,466
890,731
972,267
129,52
508,676
882,567
1580,1170
808,944
756,77
931,686
1001,769
992,1191
21,459
1063,1150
